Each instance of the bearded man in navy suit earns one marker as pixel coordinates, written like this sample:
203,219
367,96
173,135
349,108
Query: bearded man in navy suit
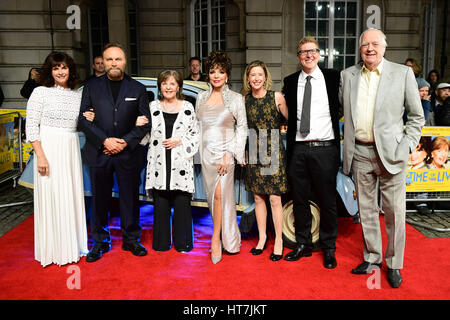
112,146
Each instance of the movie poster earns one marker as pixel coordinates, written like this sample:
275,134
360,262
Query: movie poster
26,147
6,143
429,165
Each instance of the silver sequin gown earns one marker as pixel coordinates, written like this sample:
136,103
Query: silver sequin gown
217,133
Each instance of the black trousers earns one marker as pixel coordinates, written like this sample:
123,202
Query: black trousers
312,174
182,220
102,179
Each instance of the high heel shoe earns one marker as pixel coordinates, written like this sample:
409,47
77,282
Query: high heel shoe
256,252
217,259
276,257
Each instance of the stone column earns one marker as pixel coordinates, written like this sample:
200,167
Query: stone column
264,29
118,23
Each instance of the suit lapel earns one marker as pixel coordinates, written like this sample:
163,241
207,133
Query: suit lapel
294,88
329,83
108,90
123,91
354,88
385,80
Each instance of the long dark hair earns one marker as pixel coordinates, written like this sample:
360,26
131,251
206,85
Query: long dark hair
56,59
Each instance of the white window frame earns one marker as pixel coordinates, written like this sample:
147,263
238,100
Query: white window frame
330,50
209,24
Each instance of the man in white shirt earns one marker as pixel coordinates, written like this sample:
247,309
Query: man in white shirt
374,95
313,150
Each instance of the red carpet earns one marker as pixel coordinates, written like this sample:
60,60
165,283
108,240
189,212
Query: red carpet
191,276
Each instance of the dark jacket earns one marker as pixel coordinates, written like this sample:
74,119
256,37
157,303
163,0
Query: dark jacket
28,86
114,120
202,77
442,117
290,84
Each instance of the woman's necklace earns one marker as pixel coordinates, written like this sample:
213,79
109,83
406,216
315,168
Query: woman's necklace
169,110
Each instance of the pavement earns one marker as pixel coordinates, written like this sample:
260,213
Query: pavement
12,216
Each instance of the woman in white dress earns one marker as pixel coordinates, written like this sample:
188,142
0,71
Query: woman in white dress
52,116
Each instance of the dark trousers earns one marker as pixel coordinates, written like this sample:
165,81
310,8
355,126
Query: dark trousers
102,179
182,220
312,172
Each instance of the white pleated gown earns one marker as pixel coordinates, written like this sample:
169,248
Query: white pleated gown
60,232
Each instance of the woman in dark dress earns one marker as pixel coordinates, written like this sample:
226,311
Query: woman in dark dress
266,167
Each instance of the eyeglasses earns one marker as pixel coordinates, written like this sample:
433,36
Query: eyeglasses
305,52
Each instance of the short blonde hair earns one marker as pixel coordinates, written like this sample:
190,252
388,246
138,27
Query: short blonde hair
307,40
257,63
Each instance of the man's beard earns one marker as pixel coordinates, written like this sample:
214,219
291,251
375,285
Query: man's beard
115,73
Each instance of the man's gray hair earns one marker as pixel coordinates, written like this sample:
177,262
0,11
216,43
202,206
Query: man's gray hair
383,36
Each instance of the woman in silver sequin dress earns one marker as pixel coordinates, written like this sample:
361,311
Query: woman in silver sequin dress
223,126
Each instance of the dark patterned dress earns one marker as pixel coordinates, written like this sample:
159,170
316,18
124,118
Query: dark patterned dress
265,172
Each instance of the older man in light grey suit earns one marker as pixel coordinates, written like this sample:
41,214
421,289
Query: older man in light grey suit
374,95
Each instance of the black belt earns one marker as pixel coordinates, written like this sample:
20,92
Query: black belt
327,143
364,143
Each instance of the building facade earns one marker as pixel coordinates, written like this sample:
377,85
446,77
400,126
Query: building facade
163,34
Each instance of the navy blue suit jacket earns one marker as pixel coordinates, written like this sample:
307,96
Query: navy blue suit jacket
114,120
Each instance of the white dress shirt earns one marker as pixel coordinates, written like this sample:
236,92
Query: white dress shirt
320,118
367,94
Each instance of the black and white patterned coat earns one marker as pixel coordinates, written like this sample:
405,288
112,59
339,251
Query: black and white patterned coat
182,171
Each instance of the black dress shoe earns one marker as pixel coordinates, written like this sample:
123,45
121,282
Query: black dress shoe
366,268
276,257
394,278
301,251
136,248
329,260
256,252
97,251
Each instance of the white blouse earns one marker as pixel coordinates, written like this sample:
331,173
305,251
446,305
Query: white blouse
53,107
182,156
